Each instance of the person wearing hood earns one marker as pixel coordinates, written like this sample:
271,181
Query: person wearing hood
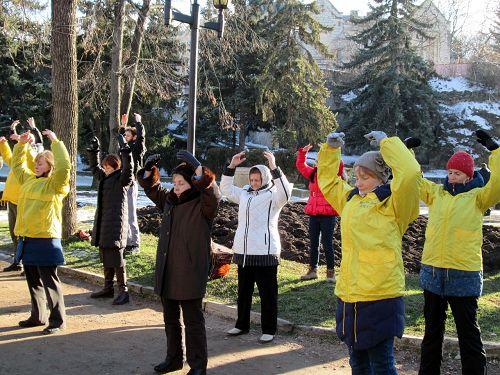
257,243
374,216
183,255
451,270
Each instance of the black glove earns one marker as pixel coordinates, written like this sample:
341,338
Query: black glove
485,139
124,147
412,142
189,158
151,161
95,145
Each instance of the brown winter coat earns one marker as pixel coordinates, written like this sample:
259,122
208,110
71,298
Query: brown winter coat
183,254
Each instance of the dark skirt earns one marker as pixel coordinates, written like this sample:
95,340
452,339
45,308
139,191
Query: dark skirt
112,257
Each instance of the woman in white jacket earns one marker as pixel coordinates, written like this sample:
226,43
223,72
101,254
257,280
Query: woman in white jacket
257,243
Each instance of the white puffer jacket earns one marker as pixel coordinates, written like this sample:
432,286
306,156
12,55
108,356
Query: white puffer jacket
257,233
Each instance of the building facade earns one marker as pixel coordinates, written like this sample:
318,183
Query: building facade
436,50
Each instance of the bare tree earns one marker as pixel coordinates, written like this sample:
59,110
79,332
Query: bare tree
65,94
131,65
116,66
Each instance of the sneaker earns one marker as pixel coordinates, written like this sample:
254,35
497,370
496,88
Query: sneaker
13,267
236,332
131,250
265,338
330,276
51,330
311,274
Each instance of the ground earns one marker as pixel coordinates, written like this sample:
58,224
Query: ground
105,339
293,227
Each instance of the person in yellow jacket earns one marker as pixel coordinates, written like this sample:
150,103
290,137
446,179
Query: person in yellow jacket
39,228
451,270
12,186
374,217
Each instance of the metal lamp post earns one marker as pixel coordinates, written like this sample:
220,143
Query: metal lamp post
193,21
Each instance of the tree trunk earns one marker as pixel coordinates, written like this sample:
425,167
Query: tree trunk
65,95
132,63
116,66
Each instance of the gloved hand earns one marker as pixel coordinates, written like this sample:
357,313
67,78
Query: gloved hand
124,147
95,145
189,158
335,140
412,142
151,161
375,137
486,140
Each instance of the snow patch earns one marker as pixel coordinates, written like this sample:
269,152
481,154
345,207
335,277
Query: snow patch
453,84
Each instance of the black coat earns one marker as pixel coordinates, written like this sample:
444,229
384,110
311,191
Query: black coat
111,215
183,254
138,146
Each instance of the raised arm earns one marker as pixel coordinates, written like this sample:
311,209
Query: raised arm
489,195
59,179
149,178
407,179
283,187
5,151
333,187
18,161
226,183
301,164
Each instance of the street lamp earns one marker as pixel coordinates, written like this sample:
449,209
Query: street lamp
193,21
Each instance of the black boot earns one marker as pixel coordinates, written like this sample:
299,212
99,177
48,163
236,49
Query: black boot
121,299
13,267
107,291
197,371
169,365
103,293
121,280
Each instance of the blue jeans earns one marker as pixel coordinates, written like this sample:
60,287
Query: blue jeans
323,225
378,360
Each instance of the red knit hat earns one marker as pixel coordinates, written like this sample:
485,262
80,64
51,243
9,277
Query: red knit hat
463,162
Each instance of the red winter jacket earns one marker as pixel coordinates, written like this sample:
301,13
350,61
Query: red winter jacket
316,204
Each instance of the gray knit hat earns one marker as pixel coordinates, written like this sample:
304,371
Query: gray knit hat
374,161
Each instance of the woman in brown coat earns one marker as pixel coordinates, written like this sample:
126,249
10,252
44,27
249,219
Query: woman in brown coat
183,255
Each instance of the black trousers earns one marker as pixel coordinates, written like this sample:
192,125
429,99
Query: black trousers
464,310
44,286
121,278
194,327
267,282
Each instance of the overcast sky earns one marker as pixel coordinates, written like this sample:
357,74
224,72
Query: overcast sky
480,12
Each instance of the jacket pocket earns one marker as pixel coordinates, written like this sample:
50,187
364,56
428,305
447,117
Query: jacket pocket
376,256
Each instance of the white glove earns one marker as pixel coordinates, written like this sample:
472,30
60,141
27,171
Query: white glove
375,137
335,140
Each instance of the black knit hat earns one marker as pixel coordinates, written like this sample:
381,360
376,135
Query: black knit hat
184,170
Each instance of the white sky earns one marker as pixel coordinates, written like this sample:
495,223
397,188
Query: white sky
479,16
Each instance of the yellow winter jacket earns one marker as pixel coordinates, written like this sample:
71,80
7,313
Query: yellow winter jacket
12,186
372,230
40,200
454,233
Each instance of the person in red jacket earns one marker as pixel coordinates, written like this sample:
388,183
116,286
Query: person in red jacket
322,219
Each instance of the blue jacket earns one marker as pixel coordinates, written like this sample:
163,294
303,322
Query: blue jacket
362,325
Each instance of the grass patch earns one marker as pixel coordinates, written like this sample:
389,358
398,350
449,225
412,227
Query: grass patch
302,302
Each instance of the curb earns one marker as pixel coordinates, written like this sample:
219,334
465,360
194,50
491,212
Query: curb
450,344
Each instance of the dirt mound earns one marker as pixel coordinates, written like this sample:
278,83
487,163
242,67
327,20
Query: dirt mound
293,228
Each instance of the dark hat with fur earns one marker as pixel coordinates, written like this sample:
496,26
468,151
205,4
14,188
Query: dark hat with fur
184,170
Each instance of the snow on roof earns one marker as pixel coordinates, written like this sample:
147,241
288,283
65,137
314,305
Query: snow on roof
453,84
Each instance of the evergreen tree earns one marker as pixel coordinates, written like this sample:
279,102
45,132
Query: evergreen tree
261,76
291,88
391,84
24,60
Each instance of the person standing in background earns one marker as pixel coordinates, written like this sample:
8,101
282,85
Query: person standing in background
322,218
136,139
